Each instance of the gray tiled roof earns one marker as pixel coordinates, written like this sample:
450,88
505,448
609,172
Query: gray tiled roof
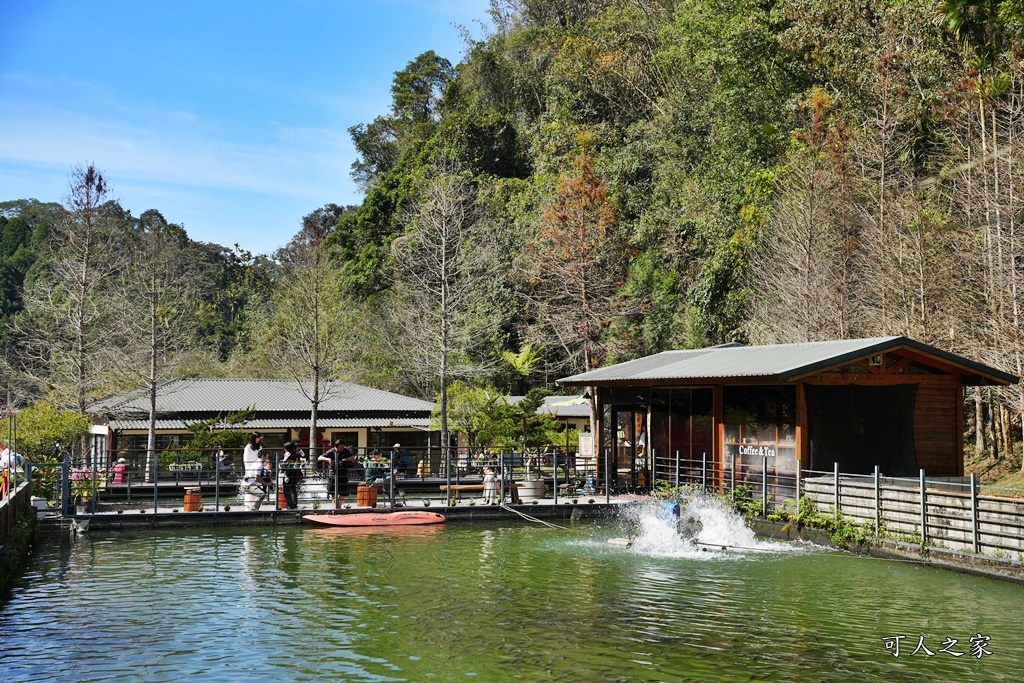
268,395
285,423
782,361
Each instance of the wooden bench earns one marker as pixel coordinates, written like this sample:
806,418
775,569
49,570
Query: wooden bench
513,488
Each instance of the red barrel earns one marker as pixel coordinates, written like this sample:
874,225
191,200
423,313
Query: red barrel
193,499
366,496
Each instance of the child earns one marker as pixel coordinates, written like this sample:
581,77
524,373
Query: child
490,497
265,475
118,470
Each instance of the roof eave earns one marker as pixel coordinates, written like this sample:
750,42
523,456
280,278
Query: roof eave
976,374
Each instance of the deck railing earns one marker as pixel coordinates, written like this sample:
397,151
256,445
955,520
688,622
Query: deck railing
420,474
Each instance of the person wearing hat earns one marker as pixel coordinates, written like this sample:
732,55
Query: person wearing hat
338,460
118,471
291,471
401,461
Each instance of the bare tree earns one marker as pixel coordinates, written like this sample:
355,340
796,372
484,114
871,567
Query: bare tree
60,334
983,187
307,331
575,264
801,275
440,278
154,321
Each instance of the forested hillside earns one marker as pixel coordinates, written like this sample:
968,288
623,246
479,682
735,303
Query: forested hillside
602,179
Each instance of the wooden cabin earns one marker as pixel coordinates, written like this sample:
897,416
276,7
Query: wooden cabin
887,401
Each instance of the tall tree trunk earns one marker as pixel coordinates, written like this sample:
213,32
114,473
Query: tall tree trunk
979,424
314,409
445,436
993,422
151,454
1006,432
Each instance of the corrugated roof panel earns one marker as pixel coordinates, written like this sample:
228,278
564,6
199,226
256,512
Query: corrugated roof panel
345,423
776,360
638,366
762,361
267,395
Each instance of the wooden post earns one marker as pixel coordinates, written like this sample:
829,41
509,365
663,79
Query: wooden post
607,478
835,471
677,468
732,476
802,433
878,503
798,486
958,401
764,486
974,513
924,513
718,434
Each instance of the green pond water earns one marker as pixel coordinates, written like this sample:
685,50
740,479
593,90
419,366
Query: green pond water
501,602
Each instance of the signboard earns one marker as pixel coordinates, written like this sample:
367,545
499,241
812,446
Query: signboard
586,445
760,451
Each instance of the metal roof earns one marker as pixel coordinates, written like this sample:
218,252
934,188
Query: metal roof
298,423
781,361
561,406
189,395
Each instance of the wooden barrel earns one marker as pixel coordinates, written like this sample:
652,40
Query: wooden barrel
366,496
193,499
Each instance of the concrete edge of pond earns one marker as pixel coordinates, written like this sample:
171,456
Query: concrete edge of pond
134,520
966,563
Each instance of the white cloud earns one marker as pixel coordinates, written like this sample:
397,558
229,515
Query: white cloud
297,163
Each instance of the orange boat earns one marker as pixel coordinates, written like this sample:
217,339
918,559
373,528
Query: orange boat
397,518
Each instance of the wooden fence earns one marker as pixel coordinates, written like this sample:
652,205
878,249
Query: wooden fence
957,513
931,513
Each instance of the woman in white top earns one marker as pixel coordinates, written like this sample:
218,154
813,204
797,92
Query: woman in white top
251,456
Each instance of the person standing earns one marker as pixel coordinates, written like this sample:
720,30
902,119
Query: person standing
291,470
338,461
225,461
251,461
401,461
251,456
490,486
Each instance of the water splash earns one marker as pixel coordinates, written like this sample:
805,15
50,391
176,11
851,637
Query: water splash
721,530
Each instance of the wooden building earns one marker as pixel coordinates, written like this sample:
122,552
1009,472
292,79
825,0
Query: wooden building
888,401
361,416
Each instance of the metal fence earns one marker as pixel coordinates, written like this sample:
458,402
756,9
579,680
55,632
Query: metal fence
418,474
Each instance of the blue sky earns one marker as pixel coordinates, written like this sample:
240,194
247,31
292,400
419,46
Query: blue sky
230,118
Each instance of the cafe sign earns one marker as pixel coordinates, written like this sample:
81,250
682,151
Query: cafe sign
759,451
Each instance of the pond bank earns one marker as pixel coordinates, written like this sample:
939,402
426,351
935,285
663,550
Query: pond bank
958,561
166,519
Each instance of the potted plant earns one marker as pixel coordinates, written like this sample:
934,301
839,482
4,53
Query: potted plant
82,485
532,485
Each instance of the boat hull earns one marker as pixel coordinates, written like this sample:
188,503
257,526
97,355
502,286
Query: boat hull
400,518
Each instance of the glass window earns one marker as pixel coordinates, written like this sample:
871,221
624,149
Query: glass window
760,423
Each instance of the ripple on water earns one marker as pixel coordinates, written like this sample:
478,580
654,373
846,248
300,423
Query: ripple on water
498,603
